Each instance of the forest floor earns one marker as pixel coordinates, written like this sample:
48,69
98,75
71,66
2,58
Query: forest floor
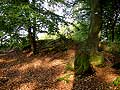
23,71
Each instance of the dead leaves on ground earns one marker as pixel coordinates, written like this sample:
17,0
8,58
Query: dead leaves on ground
24,72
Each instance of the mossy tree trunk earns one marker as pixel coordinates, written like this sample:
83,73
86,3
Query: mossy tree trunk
89,48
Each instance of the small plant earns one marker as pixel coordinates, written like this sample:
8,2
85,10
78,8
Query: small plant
69,67
116,82
64,78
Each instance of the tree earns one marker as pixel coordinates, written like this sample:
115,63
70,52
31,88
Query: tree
32,16
89,48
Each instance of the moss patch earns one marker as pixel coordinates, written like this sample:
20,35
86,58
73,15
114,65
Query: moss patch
97,59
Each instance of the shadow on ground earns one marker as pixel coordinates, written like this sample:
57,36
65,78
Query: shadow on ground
23,71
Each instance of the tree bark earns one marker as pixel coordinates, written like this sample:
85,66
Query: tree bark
34,37
114,20
30,37
95,25
89,48
32,41
32,34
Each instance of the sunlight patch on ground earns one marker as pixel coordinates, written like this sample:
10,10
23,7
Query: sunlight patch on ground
71,52
27,86
34,64
106,74
24,67
110,77
56,62
7,61
1,60
47,59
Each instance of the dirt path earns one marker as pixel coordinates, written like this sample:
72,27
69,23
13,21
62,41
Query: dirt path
21,71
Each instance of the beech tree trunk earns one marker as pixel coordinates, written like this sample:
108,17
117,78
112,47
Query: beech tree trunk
89,48
95,25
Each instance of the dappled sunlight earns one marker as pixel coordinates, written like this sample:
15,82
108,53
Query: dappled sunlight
110,78
65,86
59,44
7,61
71,52
29,54
33,64
47,59
56,62
43,72
24,67
27,86
107,74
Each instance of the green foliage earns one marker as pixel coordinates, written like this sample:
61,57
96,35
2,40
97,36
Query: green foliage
1,33
69,67
17,14
116,82
58,0
79,36
82,34
115,47
110,15
22,13
64,78
111,47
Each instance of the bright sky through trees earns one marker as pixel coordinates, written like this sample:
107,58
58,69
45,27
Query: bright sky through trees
57,9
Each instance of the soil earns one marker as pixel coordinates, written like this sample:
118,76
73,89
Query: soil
24,71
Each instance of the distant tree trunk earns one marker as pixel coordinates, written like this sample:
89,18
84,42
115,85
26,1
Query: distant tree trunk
114,20
35,51
1,41
32,41
30,37
89,49
106,31
32,34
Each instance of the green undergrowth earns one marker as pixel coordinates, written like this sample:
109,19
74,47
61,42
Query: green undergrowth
116,83
69,67
65,78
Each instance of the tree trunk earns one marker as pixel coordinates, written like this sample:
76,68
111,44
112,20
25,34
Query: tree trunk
34,37
32,41
89,48
95,26
114,21
32,34
30,37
